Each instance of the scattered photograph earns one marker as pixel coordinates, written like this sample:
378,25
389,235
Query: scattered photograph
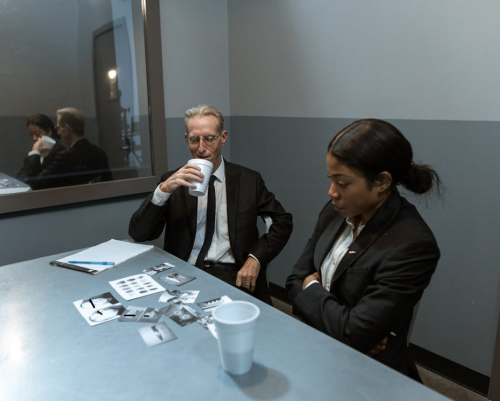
98,309
156,334
151,315
184,316
207,322
158,268
176,278
140,314
182,296
135,286
209,305
170,309
132,314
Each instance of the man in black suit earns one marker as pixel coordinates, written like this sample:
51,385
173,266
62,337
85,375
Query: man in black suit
81,163
236,253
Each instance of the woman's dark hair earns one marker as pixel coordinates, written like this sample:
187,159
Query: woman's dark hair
44,122
372,146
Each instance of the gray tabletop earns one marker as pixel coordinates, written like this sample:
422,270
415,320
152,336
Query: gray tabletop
49,352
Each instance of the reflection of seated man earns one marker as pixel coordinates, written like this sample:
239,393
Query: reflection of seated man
40,157
81,163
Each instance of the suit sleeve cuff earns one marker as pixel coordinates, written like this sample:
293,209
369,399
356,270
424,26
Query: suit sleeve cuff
159,197
255,258
311,283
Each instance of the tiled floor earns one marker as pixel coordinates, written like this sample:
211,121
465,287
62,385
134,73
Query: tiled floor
448,388
432,380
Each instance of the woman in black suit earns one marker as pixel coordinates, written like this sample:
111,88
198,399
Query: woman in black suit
40,157
371,254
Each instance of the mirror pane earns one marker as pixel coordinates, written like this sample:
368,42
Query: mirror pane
87,55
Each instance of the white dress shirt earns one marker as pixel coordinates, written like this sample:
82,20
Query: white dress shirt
220,248
332,260
42,156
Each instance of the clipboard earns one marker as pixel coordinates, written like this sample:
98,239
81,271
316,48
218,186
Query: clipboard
102,257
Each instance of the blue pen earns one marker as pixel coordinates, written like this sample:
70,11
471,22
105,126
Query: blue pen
92,262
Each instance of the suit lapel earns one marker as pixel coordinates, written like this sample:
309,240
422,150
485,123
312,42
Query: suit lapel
326,240
376,226
192,211
232,191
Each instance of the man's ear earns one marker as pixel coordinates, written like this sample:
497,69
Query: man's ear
224,135
384,180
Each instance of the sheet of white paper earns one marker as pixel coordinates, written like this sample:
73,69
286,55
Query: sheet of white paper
135,286
114,251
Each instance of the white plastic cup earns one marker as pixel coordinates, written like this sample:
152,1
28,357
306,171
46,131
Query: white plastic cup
206,169
236,323
48,142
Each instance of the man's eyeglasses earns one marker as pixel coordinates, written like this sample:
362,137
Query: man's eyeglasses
209,139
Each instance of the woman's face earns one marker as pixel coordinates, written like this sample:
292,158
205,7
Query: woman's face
36,132
350,193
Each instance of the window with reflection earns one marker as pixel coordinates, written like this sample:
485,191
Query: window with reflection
73,105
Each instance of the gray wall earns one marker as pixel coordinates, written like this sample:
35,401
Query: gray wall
195,67
29,235
299,71
195,55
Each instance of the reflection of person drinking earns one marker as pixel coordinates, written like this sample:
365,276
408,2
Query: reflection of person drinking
81,163
43,153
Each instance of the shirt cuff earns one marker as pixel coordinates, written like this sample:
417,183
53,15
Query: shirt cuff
310,283
34,153
255,258
159,197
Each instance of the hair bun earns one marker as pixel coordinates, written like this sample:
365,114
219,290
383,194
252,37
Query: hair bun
420,178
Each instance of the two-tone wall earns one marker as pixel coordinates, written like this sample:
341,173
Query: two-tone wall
300,71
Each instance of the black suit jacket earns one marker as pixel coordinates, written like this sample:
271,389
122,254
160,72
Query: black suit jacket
247,199
32,166
78,164
377,283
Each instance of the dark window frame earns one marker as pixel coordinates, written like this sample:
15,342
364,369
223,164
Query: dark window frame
89,192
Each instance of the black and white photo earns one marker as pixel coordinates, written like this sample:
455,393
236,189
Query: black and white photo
158,268
182,296
176,278
135,286
99,309
140,314
156,334
184,316
209,305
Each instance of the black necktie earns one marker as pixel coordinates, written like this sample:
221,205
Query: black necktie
210,224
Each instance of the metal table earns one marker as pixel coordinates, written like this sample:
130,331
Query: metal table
10,185
49,352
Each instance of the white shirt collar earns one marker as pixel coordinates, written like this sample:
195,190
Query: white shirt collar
350,222
220,172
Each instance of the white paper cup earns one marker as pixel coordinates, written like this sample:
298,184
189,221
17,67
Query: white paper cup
235,323
48,142
206,169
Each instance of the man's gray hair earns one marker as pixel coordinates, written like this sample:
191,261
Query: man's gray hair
205,110
69,116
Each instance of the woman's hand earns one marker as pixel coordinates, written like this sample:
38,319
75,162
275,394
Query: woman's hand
38,146
310,278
